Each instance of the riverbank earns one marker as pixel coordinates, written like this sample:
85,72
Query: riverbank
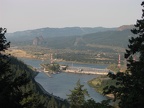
48,94
100,83
24,53
61,84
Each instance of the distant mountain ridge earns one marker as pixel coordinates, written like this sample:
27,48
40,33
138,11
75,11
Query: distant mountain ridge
93,45
55,32
90,41
125,27
73,37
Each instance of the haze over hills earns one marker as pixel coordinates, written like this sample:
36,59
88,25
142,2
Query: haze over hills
125,27
73,36
88,41
55,32
93,45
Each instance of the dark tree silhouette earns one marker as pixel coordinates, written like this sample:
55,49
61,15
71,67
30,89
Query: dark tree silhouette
18,89
77,99
77,96
3,42
5,74
13,82
130,85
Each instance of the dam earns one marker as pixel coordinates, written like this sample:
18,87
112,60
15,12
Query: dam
87,70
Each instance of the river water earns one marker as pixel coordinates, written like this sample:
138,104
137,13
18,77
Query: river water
61,84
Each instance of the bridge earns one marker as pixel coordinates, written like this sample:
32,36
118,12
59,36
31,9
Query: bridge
87,70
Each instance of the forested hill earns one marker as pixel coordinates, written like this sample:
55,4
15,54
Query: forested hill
71,37
112,38
88,41
28,93
108,38
55,32
108,42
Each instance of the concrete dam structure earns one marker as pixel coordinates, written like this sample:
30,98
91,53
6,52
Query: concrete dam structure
87,70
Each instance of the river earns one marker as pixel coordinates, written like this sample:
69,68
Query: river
61,84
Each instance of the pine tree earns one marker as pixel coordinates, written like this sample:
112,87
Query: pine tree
92,104
52,103
77,99
130,85
77,96
17,89
10,93
6,76
3,42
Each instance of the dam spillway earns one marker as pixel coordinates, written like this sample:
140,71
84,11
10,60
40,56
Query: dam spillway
87,70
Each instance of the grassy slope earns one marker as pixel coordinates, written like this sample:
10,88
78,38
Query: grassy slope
99,83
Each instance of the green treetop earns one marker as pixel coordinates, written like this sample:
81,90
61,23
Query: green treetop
77,96
130,85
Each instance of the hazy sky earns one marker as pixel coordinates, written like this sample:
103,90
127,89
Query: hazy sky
18,15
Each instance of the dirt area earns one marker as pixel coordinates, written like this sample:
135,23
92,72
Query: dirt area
19,53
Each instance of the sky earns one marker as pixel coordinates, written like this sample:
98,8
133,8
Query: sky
19,15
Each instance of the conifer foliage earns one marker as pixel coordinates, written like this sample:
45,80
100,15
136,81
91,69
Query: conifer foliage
130,85
17,88
77,99
6,77
77,96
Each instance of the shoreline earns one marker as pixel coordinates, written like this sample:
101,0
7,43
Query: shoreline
19,53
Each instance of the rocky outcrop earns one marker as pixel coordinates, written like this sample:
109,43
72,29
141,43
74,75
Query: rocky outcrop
125,27
38,40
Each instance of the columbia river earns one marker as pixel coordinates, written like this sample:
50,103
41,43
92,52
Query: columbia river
61,84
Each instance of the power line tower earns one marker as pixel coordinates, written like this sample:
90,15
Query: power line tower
119,61
51,58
